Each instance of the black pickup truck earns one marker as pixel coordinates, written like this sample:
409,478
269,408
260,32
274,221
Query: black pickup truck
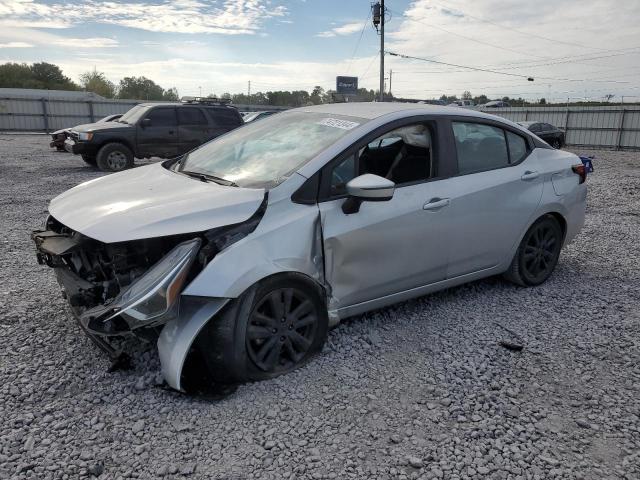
163,130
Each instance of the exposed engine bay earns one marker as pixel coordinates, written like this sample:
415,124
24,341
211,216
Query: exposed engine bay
100,270
133,286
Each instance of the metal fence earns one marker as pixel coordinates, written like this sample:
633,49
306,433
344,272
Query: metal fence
599,127
48,114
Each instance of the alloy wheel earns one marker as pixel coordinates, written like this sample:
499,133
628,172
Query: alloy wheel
541,251
281,330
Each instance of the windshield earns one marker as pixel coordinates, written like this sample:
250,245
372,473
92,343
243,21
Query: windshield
265,153
133,115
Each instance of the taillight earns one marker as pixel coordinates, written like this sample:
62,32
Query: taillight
580,170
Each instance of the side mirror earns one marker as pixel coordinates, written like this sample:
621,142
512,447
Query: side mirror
145,123
367,187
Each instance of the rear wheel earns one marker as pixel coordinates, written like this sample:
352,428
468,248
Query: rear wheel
556,143
273,328
114,157
538,253
89,159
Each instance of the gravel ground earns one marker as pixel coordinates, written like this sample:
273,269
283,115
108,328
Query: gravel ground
419,390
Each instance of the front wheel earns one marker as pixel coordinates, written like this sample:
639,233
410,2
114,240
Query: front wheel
538,253
89,159
557,144
272,329
114,157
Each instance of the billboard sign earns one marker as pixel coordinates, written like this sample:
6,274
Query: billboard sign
347,85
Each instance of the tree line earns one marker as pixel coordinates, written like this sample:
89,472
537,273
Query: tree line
43,75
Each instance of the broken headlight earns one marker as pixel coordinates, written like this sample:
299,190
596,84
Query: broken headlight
154,293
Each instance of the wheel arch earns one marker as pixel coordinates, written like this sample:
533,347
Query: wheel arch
179,336
123,141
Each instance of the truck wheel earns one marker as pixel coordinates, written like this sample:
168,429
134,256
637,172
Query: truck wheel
273,328
114,157
90,160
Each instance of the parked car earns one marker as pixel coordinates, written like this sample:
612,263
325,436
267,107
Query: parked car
496,104
253,116
243,252
547,132
462,103
164,130
59,136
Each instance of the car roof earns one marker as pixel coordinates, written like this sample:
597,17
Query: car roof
371,110
184,104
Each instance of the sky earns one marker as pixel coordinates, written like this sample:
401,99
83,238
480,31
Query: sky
571,48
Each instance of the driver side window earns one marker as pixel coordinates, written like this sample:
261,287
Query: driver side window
403,155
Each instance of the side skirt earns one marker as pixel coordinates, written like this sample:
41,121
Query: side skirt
387,300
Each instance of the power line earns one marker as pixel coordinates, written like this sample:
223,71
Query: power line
458,66
467,37
355,50
529,34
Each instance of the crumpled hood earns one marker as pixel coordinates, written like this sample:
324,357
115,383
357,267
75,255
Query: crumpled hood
149,202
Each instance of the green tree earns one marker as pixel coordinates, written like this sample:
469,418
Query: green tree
97,82
17,75
466,95
139,88
50,76
317,95
171,95
542,101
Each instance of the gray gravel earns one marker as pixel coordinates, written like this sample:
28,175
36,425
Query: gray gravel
419,390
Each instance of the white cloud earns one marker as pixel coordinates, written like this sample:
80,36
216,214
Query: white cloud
346,29
83,43
231,17
16,45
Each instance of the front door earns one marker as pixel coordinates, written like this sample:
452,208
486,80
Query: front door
391,246
158,133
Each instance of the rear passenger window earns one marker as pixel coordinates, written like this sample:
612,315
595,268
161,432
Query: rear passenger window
517,147
225,117
479,147
191,116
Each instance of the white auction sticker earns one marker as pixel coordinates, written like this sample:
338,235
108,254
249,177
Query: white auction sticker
337,123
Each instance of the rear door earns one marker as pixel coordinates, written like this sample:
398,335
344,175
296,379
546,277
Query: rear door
158,136
222,120
493,197
193,128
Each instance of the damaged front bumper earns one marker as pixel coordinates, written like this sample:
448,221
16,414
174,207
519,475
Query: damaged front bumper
149,301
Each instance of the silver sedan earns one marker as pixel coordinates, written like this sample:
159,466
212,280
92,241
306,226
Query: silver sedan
242,254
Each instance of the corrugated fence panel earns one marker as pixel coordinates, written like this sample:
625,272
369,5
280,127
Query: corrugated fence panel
599,127
602,127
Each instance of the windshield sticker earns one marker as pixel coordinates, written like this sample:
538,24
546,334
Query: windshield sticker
337,123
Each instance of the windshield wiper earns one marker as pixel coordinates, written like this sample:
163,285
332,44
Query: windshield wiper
205,177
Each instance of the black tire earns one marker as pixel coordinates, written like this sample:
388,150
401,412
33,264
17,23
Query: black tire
537,254
556,143
60,149
88,159
232,353
114,157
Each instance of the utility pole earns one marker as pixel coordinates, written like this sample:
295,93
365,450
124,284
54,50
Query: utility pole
382,50
249,92
390,80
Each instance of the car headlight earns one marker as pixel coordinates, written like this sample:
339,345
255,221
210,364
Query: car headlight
85,136
156,292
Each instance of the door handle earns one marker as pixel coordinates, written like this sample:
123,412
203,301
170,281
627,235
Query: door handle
436,204
529,175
